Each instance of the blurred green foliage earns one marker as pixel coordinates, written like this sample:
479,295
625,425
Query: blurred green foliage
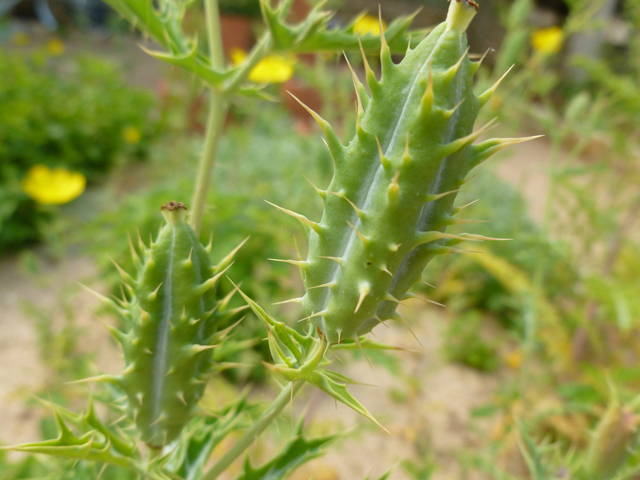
464,343
464,284
568,284
77,113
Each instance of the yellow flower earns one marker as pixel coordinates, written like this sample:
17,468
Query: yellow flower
368,24
55,46
547,41
131,135
53,187
271,69
514,359
21,39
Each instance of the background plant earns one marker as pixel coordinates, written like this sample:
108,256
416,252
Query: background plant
76,114
573,332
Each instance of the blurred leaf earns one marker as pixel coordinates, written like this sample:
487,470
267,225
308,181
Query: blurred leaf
71,113
314,34
485,410
579,393
618,297
464,343
532,456
383,477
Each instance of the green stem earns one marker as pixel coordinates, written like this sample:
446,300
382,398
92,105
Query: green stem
256,429
215,122
214,34
460,14
218,106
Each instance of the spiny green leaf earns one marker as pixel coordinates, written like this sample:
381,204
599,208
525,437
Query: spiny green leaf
202,435
83,448
296,452
98,442
193,61
314,34
340,378
288,336
279,352
339,391
164,25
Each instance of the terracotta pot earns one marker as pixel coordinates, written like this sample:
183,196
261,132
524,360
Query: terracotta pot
236,33
307,95
300,10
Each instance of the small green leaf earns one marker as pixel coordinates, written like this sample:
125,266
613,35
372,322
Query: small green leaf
254,91
296,452
99,444
288,336
339,391
366,343
279,352
339,377
202,435
83,448
314,34
193,61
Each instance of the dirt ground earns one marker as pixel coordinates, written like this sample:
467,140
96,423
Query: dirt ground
435,417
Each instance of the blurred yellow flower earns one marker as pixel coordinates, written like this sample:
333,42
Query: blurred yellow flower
53,187
271,69
55,46
131,135
368,24
21,39
547,41
514,359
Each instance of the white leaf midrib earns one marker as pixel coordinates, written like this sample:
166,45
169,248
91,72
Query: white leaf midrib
160,352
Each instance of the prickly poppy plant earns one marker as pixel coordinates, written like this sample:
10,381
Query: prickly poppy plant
170,324
391,198
386,212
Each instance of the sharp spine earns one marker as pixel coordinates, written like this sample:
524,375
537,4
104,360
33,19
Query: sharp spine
364,290
383,160
302,264
486,95
365,241
291,300
301,218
